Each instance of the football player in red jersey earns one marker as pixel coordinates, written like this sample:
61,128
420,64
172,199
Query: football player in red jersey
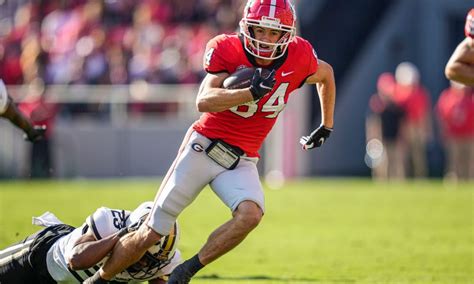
9,111
221,148
460,67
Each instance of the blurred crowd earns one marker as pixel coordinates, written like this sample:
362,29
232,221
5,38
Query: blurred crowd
110,41
98,42
400,131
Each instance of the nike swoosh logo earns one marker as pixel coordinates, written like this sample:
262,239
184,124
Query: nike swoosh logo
283,74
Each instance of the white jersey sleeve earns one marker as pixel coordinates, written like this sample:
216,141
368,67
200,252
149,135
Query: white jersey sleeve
3,97
102,223
105,221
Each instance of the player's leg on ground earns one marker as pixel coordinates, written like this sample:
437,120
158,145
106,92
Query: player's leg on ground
14,265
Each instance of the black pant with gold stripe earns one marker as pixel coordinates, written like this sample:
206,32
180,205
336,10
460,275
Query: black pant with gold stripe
25,262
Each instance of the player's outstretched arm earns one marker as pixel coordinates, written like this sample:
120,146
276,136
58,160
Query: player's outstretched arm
11,112
460,67
32,133
326,85
88,251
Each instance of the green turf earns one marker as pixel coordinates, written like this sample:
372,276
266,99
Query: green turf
329,231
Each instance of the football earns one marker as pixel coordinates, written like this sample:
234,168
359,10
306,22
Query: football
241,78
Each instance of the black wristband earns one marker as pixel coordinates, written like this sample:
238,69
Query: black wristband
326,130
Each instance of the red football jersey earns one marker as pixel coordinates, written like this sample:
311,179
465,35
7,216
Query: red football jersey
247,126
456,111
415,100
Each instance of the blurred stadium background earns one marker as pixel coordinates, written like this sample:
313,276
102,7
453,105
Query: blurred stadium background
118,78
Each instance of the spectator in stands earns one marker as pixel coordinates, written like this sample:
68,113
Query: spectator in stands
417,129
455,110
112,42
460,67
384,142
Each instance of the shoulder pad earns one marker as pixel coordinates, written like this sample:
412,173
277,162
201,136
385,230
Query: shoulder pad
105,221
220,51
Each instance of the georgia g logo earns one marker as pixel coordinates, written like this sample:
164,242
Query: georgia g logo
197,147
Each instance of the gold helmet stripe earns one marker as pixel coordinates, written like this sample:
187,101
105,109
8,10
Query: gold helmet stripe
169,241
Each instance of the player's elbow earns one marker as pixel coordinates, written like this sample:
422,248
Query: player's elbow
460,73
202,105
330,74
76,262
449,72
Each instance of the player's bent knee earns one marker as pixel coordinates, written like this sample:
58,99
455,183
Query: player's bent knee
249,214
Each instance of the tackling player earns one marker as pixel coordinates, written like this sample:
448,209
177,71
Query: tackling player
9,111
460,67
221,148
63,254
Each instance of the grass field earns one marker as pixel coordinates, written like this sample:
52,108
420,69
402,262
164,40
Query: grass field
314,231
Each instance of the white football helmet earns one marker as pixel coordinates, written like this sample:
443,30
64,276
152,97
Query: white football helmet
158,255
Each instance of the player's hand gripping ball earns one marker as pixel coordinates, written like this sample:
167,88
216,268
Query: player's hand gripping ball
260,81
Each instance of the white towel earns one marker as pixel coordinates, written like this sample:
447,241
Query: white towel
46,220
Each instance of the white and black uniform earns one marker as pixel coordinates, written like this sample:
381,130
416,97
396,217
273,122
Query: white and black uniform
104,222
3,98
24,262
